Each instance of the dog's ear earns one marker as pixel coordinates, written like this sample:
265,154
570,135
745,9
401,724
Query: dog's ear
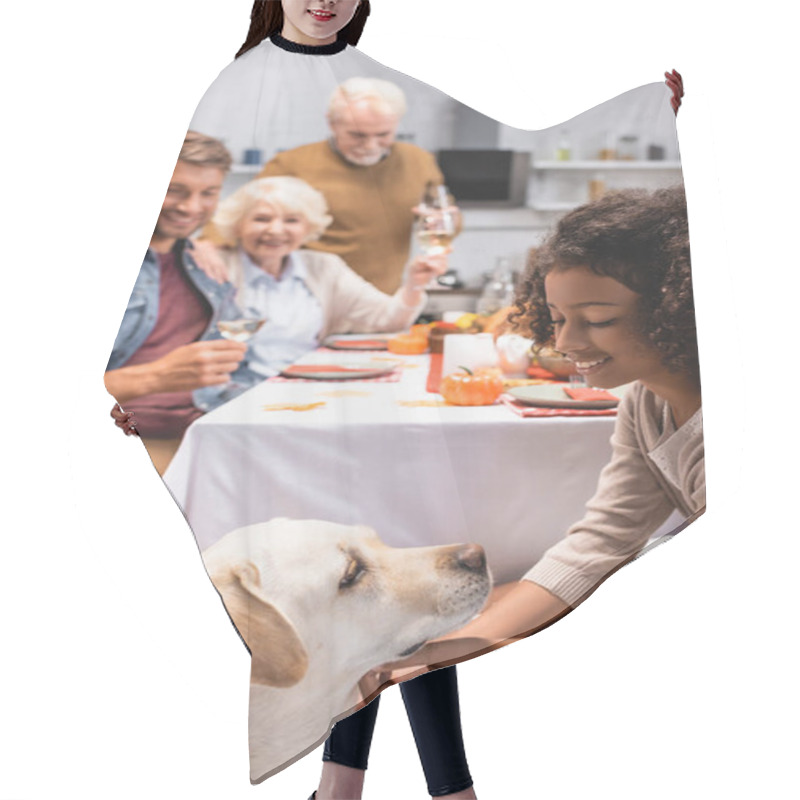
278,656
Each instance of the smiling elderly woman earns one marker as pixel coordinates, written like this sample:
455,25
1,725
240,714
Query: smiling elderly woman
302,295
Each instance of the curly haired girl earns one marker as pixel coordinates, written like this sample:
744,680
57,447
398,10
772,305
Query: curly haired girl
612,290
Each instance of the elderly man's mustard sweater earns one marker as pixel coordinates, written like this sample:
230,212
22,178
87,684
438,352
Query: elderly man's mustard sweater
371,206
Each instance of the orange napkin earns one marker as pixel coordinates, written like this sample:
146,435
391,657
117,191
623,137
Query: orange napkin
587,394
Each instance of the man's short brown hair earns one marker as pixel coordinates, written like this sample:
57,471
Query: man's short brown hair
203,151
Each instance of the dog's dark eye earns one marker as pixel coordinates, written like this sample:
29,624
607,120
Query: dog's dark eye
353,574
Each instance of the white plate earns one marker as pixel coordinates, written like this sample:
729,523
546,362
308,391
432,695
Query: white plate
552,395
337,372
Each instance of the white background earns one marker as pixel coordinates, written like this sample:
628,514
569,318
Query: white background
121,676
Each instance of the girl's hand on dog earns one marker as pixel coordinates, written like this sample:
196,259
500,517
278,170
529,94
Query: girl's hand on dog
514,611
374,680
435,654
439,653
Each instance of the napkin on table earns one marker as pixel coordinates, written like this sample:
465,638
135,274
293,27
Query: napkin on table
588,394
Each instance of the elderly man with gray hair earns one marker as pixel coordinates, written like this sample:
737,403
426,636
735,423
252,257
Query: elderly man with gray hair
371,182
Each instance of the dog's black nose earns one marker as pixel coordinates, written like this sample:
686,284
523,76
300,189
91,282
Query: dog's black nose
472,557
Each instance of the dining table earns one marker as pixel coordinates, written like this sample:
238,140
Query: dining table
385,452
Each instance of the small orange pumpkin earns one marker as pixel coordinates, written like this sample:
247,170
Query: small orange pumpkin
407,344
471,389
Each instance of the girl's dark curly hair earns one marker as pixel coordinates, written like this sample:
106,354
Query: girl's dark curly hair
266,19
638,238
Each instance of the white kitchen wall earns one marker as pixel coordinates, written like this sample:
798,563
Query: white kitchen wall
634,112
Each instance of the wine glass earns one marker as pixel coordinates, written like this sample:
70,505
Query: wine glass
238,330
438,220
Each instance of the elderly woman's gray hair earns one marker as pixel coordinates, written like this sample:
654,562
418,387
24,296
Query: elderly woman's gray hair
381,95
284,193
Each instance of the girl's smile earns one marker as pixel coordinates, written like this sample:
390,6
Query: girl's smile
597,325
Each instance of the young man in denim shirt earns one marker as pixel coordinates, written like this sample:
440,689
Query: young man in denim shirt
162,353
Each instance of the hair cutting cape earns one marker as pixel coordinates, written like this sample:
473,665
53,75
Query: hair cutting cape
345,522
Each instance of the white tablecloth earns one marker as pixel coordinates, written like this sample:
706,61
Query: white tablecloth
418,475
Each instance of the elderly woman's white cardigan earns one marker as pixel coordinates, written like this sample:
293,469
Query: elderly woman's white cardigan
349,303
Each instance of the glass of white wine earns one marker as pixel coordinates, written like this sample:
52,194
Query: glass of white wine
438,220
239,330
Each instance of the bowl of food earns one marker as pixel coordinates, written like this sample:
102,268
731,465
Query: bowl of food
555,362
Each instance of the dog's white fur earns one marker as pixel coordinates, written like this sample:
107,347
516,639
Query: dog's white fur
321,604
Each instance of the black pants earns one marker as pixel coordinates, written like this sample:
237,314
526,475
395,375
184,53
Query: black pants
432,706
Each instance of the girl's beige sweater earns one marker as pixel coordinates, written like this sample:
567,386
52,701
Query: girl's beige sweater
654,469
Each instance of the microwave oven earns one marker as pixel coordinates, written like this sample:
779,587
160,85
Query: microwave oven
486,178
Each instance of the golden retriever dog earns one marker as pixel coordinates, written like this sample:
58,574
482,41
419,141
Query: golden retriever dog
319,605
